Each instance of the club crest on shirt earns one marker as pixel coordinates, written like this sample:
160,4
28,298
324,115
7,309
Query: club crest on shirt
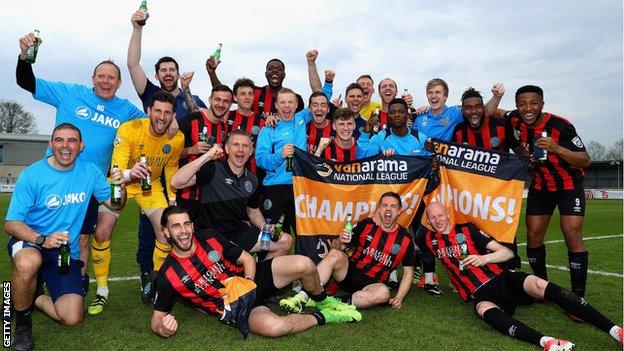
248,186
214,256
267,204
444,121
577,141
166,149
494,141
395,249
255,130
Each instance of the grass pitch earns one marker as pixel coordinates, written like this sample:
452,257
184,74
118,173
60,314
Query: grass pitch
424,322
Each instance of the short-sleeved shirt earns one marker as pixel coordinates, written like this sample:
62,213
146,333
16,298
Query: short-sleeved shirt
180,109
49,200
439,126
464,239
377,253
196,279
225,196
97,118
555,174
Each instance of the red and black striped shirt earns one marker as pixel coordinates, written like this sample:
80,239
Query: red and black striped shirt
377,253
491,134
264,101
315,134
555,174
192,126
448,248
334,152
196,279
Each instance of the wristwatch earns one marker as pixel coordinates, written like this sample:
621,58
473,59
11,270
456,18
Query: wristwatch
40,240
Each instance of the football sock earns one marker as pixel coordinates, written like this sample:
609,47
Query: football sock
160,253
505,324
537,260
101,257
320,319
578,271
320,297
429,278
24,318
577,306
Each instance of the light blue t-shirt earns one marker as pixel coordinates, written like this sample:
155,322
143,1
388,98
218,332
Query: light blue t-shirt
439,126
411,144
271,141
97,119
49,200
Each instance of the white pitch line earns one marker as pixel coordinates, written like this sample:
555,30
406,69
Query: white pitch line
561,268
587,238
590,271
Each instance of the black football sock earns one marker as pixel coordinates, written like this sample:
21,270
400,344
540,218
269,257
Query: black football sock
537,260
24,318
578,271
507,325
577,306
320,319
428,262
320,297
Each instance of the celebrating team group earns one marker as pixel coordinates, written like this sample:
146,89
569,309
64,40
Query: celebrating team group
208,179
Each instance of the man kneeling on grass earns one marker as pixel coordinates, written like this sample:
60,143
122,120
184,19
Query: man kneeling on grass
472,260
201,270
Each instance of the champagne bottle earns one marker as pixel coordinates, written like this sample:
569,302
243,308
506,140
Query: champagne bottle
64,258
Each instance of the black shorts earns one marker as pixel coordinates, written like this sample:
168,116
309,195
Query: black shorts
279,200
569,202
505,291
90,220
355,280
265,287
245,237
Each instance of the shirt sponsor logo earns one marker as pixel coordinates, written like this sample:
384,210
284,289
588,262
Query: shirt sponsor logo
84,113
53,202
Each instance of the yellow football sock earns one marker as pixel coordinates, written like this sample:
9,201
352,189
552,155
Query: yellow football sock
101,257
160,253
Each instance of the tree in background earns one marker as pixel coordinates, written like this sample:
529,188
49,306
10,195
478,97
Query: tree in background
598,152
615,151
14,119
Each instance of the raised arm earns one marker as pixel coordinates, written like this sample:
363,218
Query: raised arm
185,176
139,79
23,72
313,76
491,107
211,68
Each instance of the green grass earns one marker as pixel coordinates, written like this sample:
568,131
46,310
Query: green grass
424,322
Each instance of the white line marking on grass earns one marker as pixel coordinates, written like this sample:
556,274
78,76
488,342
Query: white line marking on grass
587,238
590,271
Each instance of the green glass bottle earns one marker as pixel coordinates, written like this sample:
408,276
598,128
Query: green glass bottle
217,53
115,189
146,183
31,53
64,258
143,8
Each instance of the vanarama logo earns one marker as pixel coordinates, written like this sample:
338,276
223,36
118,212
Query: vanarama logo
377,169
467,157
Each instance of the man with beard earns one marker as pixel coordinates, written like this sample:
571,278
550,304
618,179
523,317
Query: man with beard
202,267
557,181
320,126
167,71
206,123
388,91
343,148
398,139
368,89
96,111
471,259
38,223
142,138
488,132
354,97
265,98
229,194
378,249
167,74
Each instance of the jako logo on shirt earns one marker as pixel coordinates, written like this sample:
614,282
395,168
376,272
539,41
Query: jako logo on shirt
53,202
84,113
